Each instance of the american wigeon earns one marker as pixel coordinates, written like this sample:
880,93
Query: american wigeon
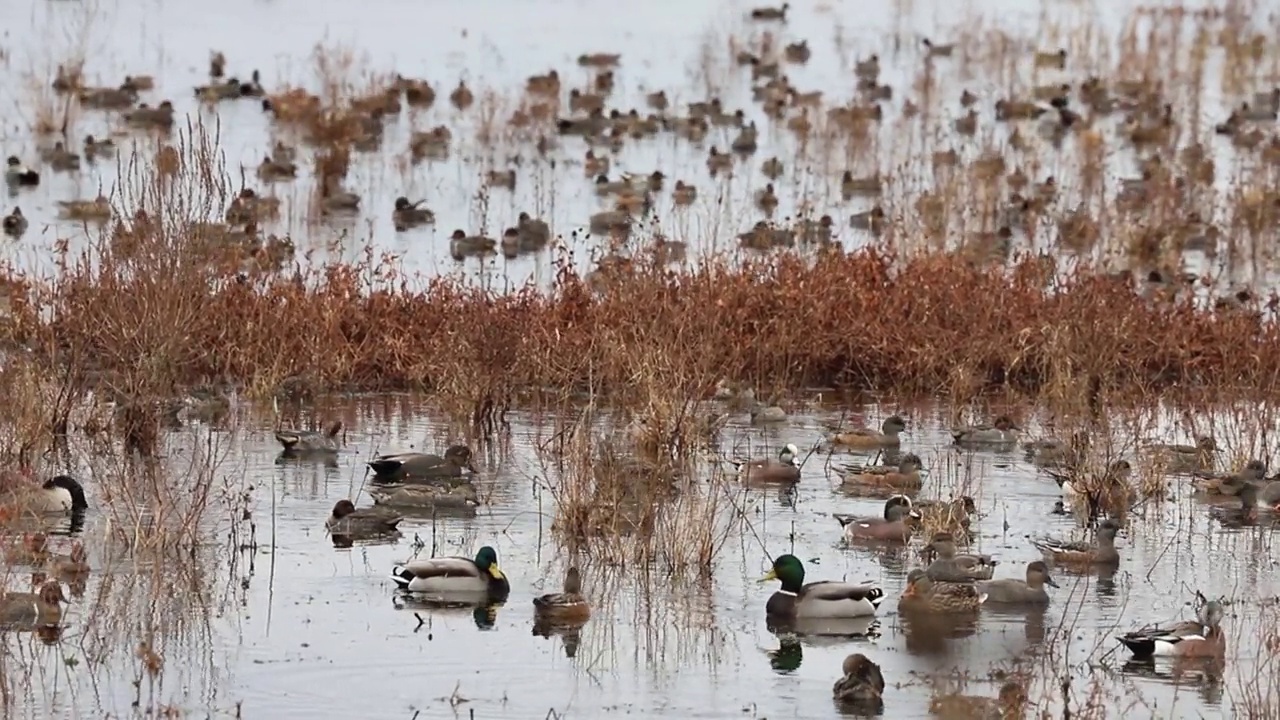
1202,637
15,223
904,477
861,685
762,414
1012,591
783,469
408,215
72,566
1055,452
1002,431
952,566
566,607
1212,486
396,467
304,442
58,495
364,523
923,594
98,209
867,439
454,575
33,609
1101,552
824,599
15,173
899,521
1185,458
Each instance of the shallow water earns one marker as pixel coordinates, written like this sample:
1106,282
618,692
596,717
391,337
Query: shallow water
314,630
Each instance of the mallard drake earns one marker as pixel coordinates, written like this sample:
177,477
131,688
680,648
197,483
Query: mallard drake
449,575
15,223
158,117
346,520
311,441
1012,591
824,599
33,609
897,524
762,414
505,179
862,684
407,214
1185,458
98,209
1010,703
867,439
952,566
462,245
33,550
905,476
272,169
15,173
783,469
60,158
934,50
923,594
426,495
75,565
1101,552
424,466
610,221
1202,637
1001,432
565,607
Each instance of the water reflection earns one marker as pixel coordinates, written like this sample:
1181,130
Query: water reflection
1205,674
859,628
931,633
484,612
570,633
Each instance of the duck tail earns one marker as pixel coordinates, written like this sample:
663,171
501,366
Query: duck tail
74,489
1139,645
384,466
287,439
843,519
401,576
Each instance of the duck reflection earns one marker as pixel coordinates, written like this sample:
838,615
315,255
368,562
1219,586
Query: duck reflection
484,610
787,658
859,628
1206,674
931,633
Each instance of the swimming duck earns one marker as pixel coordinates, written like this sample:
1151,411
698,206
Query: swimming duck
505,179
797,52
462,245
98,209
904,477
1101,552
214,92
533,230
1202,637
1105,493
1243,514
784,469
717,161
33,609
347,521
15,173
1185,458
1221,486
15,223
824,599
272,170
762,414
304,442
565,607
423,466
1001,432
454,575
108,98
897,524
93,148
1011,591
462,97
610,221
951,566
862,684
934,50
923,594
867,439
158,117
333,199
408,215
75,565
426,495
60,158
1051,452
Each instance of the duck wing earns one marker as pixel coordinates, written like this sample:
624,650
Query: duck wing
833,591
443,567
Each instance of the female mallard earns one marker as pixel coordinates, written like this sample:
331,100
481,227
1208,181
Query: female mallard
423,466
567,607
75,565
951,566
1185,458
1202,637
899,520
825,599
347,521
305,442
903,477
454,575
1003,431
867,439
425,495
1102,552
1013,591
783,469
33,609
944,597
861,685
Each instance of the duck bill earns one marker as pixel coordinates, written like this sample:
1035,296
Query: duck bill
471,465
1051,582
495,572
771,575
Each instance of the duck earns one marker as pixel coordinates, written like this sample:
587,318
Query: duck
924,594
228,89
98,209
1012,591
872,220
903,477
158,117
74,565
1010,703
568,606
15,173
783,469
823,599
1185,458
426,495
423,466
867,439
462,245
33,550
609,221
447,575
272,169
304,442
950,566
897,524
462,97
1051,60
60,158
1001,432
94,148
535,232
33,609
861,684
1218,485
347,521
408,215
15,223
1202,637
108,98
1101,552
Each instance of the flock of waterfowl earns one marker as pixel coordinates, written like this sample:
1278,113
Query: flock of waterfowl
44,505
